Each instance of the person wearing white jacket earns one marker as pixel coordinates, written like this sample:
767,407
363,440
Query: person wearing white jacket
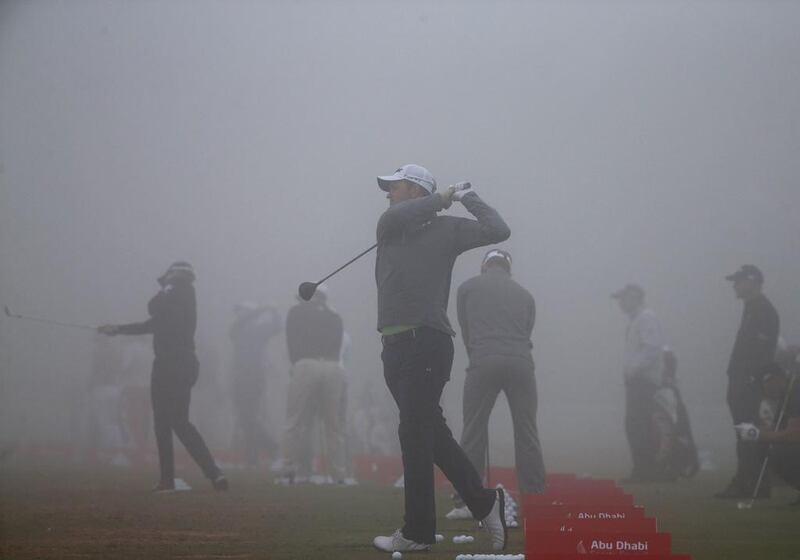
642,370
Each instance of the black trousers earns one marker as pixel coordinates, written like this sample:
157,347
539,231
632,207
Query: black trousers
416,366
784,459
170,393
639,394
744,400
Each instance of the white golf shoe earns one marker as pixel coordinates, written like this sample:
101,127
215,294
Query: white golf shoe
495,522
462,512
398,543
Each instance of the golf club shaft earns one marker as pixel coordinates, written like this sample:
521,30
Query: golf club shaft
48,321
348,263
775,427
459,187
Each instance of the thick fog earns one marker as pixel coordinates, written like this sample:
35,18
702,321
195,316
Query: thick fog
649,142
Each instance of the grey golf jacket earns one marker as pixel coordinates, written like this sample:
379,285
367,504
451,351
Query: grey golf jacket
496,316
416,253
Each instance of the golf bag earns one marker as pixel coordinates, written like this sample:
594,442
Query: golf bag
675,450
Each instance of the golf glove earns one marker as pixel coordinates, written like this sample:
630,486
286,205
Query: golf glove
458,195
747,431
447,197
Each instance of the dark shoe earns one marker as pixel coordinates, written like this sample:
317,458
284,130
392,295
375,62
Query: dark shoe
220,483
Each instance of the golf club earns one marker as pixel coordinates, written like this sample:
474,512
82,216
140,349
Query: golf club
48,321
306,289
749,504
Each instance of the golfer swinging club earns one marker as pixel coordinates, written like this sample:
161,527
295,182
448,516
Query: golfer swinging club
172,322
416,253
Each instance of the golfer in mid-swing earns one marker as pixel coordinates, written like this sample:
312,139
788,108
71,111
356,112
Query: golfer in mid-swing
416,253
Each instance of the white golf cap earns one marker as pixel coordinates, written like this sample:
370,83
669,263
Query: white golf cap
410,172
497,254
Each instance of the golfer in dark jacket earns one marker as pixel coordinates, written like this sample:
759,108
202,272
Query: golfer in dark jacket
496,316
781,391
314,334
754,349
416,253
172,322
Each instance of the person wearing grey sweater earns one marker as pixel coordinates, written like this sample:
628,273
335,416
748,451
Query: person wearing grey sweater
416,252
496,316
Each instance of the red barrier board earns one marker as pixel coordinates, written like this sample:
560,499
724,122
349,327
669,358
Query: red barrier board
377,468
577,556
597,543
555,478
586,511
644,525
603,497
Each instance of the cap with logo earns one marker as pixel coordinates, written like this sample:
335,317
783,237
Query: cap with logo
747,272
497,254
410,172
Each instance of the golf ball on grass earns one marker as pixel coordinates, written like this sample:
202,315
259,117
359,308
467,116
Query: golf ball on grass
397,556
744,505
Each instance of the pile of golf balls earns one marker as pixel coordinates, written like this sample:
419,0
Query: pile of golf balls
511,509
461,539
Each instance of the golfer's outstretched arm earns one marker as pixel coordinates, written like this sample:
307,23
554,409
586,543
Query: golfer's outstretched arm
145,327
404,214
489,228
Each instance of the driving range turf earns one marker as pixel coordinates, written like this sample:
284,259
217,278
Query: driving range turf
66,512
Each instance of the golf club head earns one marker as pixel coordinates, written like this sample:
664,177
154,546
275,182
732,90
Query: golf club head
306,290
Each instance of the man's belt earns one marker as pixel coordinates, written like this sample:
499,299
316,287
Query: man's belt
395,338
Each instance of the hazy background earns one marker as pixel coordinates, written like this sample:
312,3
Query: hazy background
654,142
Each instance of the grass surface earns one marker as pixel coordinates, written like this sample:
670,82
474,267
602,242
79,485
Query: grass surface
60,512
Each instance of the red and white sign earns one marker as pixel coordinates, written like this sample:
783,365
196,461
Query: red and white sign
625,543
587,511
643,525
576,556
593,498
